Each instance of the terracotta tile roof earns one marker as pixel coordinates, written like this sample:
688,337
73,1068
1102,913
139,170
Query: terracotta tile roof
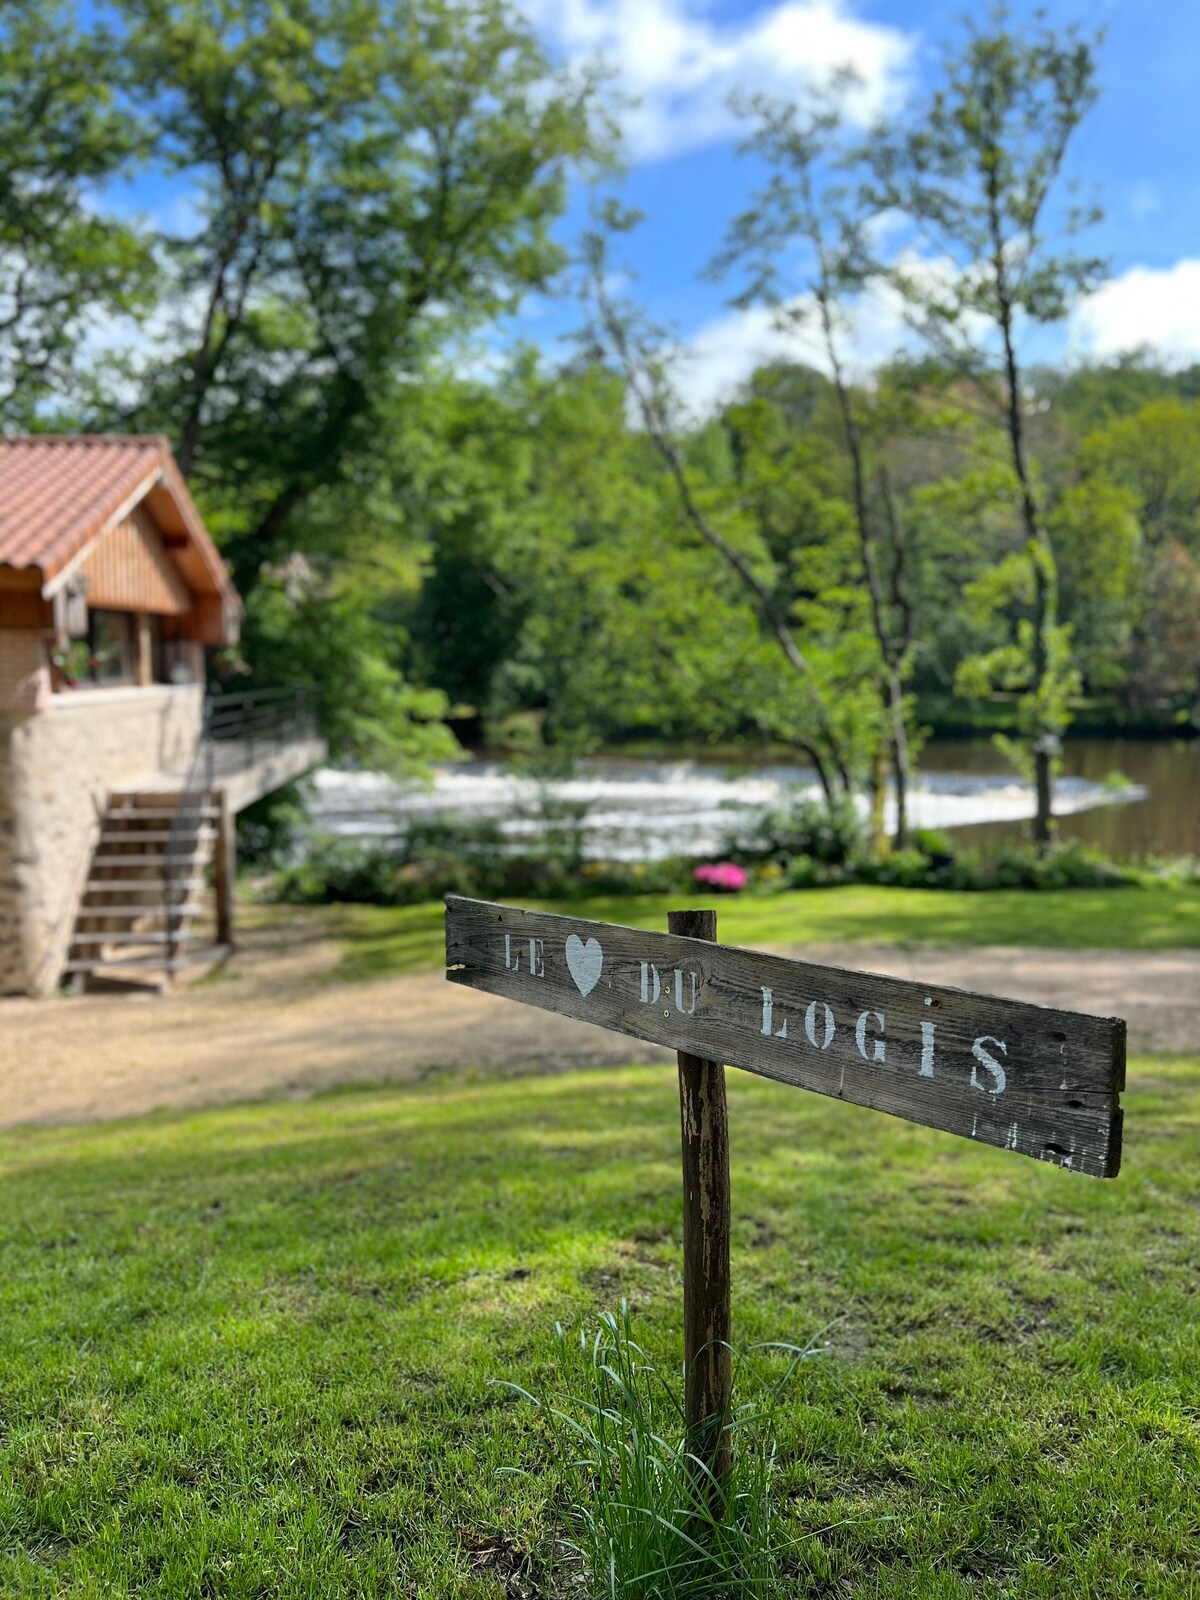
59,491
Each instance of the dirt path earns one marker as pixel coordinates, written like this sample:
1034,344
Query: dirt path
276,1023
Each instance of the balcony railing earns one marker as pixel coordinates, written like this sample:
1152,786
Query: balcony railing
242,728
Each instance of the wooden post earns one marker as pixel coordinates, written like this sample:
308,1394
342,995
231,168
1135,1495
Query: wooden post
145,652
706,1313
225,868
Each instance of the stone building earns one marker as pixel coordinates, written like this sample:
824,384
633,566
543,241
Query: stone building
111,592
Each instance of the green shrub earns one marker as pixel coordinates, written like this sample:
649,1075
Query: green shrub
933,843
905,869
1065,866
269,830
448,855
801,826
1012,866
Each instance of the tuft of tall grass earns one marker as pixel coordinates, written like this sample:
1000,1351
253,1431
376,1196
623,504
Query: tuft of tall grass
645,1519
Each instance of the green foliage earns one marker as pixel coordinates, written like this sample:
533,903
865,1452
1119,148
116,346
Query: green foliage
1096,534
450,855
269,831
64,266
303,627
1154,456
1086,397
1164,664
1035,663
377,178
647,1520
829,835
931,865
372,183
804,847
977,167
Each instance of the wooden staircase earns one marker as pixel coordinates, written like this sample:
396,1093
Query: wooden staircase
136,918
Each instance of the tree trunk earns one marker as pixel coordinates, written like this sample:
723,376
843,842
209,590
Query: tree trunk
1044,593
900,760
1043,826
879,801
1043,816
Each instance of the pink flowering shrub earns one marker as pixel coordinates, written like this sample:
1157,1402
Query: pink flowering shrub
724,876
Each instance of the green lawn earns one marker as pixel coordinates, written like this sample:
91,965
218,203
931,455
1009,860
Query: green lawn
410,939
250,1353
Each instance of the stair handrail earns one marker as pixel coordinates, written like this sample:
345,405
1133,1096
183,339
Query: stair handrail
193,797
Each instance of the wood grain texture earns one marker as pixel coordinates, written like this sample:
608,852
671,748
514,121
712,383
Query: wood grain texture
1033,1079
129,570
707,1325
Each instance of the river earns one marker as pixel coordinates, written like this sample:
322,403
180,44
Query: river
639,809
1165,822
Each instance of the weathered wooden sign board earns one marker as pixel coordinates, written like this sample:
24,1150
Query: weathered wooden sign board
1042,1082
1045,1083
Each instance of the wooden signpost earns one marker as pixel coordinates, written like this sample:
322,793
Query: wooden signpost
1028,1078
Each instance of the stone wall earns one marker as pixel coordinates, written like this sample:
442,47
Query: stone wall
57,770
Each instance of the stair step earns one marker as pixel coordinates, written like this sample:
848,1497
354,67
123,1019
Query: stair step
128,936
138,861
152,835
155,885
159,813
144,964
157,797
157,964
90,913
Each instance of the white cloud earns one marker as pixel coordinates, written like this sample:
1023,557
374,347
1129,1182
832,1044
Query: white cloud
1158,308
1144,306
680,65
723,353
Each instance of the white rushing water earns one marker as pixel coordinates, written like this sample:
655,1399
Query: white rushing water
644,810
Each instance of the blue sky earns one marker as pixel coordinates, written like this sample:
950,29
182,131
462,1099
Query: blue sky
1139,150
679,59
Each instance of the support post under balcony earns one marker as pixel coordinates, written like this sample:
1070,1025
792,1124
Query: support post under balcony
225,867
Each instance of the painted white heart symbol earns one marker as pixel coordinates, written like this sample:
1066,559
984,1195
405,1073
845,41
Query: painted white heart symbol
584,962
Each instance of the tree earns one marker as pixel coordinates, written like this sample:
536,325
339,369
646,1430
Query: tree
369,182
824,719
803,208
1164,662
1155,456
976,169
64,267
1097,542
1152,460
373,179
315,624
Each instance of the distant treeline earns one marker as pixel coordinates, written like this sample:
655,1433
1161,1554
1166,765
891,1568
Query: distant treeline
577,600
